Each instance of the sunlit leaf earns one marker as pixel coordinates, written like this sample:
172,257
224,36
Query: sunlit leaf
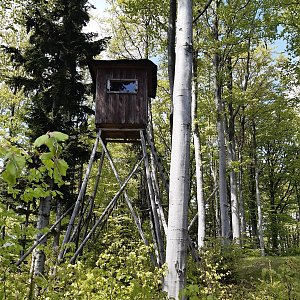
59,136
41,140
62,167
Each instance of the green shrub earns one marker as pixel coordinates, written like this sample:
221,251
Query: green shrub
213,276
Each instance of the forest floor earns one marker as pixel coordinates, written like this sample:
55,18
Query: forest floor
252,268
270,277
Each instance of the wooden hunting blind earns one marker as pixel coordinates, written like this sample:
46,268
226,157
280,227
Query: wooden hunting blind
122,89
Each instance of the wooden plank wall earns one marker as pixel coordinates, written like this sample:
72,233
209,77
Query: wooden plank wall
122,110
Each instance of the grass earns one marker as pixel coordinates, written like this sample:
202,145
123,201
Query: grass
269,277
251,268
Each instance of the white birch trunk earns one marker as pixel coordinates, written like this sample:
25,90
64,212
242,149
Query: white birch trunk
257,195
199,169
225,224
240,181
259,215
235,220
43,221
241,206
216,200
39,257
235,216
180,156
200,195
234,208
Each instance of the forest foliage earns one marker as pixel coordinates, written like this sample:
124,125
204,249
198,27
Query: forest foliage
244,153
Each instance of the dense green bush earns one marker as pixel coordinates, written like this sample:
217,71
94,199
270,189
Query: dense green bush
122,269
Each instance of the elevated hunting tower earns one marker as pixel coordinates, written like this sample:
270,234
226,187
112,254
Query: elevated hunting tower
122,89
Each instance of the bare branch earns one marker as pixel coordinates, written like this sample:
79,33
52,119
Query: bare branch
206,6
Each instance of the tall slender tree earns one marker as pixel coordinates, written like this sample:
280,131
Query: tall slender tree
54,61
218,83
180,157
198,158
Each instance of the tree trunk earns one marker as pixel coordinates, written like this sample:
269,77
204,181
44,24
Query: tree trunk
58,228
241,145
273,211
39,256
214,207
241,176
257,193
259,215
225,224
253,206
171,52
232,158
198,159
180,156
171,44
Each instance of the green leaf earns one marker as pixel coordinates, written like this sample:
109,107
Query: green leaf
59,136
2,151
53,145
46,156
41,140
46,159
57,177
62,166
20,162
9,178
27,195
11,168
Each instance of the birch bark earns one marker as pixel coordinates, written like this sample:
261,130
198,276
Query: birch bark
232,158
257,193
39,256
198,160
171,53
259,215
180,156
225,224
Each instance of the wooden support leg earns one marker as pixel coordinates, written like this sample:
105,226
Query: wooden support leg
36,243
93,196
156,224
105,212
90,205
165,181
79,198
163,175
136,220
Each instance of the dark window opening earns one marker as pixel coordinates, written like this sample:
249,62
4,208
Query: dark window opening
129,86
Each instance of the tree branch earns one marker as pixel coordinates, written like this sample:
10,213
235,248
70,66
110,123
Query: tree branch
206,6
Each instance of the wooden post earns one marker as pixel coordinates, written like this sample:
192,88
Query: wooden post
79,198
106,210
93,196
136,220
153,204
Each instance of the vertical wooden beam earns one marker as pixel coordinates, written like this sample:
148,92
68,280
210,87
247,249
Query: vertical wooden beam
128,202
93,196
156,224
159,165
79,198
106,210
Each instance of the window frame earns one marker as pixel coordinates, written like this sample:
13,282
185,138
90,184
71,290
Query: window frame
108,86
